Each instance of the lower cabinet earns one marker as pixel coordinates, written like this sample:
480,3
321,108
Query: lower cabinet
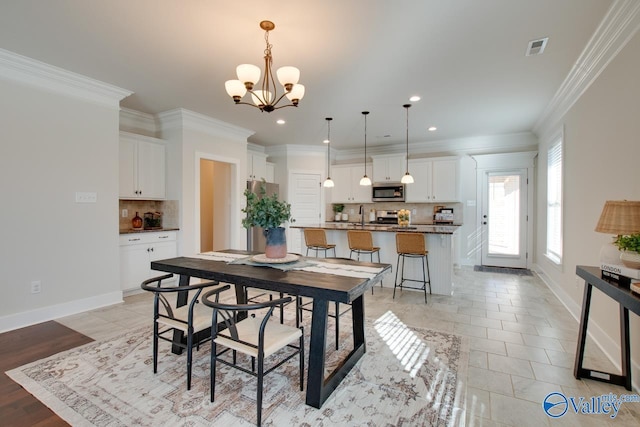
136,253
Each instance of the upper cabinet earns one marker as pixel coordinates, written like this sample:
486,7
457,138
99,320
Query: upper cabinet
271,172
435,180
256,166
142,167
347,188
388,168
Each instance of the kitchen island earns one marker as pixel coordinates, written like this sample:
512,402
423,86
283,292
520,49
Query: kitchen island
439,241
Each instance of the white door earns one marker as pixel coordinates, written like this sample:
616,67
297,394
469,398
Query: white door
306,205
504,218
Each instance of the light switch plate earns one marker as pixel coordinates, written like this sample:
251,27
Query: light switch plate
86,197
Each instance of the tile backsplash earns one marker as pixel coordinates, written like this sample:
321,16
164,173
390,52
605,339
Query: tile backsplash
423,211
168,208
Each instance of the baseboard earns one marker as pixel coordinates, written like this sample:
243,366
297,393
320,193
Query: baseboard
609,346
44,314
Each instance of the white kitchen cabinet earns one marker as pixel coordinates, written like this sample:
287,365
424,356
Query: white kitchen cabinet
256,166
137,250
270,172
347,188
142,167
435,180
389,168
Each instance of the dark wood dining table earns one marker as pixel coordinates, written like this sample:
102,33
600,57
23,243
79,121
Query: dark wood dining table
322,287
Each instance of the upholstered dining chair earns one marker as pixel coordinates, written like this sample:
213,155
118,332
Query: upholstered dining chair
316,240
189,319
361,242
255,336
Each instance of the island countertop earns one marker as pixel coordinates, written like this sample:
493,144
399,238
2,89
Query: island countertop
389,228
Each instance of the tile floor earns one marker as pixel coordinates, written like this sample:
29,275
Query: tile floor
522,342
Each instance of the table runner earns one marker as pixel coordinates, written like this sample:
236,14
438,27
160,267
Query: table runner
304,264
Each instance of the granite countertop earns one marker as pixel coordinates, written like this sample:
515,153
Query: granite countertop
156,230
389,228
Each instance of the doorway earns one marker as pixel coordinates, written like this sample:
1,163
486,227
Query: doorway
504,217
505,214
215,205
306,201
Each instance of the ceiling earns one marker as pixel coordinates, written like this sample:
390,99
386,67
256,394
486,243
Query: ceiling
464,58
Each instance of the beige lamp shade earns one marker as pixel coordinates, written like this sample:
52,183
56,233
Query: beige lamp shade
620,217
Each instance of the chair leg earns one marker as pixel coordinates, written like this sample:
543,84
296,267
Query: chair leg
395,283
212,386
301,355
189,356
426,257
155,347
424,278
337,323
260,384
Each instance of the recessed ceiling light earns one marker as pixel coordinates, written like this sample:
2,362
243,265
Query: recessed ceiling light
280,122
414,98
432,128
326,141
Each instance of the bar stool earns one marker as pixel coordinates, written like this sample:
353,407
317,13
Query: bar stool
412,245
316,240
361,242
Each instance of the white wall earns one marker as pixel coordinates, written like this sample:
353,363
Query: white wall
52,146
601,156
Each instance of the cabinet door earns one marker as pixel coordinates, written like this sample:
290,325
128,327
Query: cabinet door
134,266
361,194
420,190
256,166
127,165
445,181
380,170
270,172
151,170
396,168
341,192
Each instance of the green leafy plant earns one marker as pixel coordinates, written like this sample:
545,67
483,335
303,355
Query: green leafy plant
628,243
265,211
338,207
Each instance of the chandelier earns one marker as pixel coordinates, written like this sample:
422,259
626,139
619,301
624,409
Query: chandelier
266,98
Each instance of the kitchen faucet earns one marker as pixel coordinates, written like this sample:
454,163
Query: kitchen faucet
362,215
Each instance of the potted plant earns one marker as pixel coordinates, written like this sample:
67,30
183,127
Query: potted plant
629,245
337,210
269,213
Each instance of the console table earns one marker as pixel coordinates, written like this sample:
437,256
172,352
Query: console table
627,301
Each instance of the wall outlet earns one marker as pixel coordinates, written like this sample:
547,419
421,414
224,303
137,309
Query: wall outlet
351,211
125,213
414,211
36,287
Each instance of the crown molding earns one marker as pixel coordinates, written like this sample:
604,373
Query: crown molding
44,76
181,118
138,122
294,149
618,26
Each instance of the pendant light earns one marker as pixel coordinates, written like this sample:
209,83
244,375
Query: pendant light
407,178
365,181
328,182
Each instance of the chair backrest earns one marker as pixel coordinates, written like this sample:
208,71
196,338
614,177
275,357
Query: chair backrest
411,243
155,285
315,237
360,239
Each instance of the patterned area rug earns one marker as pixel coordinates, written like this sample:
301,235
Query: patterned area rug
408,376
503,270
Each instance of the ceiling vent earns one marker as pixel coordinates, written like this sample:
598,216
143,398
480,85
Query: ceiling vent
536,47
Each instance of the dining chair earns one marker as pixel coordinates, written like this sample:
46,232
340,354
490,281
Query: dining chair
361,242
254,336
316,240
412,245
192,319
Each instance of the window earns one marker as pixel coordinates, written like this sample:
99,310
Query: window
554,201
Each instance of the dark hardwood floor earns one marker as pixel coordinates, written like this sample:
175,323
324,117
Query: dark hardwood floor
21,346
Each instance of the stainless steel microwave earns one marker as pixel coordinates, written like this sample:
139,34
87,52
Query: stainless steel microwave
387,192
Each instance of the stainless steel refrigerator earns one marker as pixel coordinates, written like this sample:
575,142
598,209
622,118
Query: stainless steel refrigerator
255,237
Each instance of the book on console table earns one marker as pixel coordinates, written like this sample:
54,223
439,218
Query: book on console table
620,274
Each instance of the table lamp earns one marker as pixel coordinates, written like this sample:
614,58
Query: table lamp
619,217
